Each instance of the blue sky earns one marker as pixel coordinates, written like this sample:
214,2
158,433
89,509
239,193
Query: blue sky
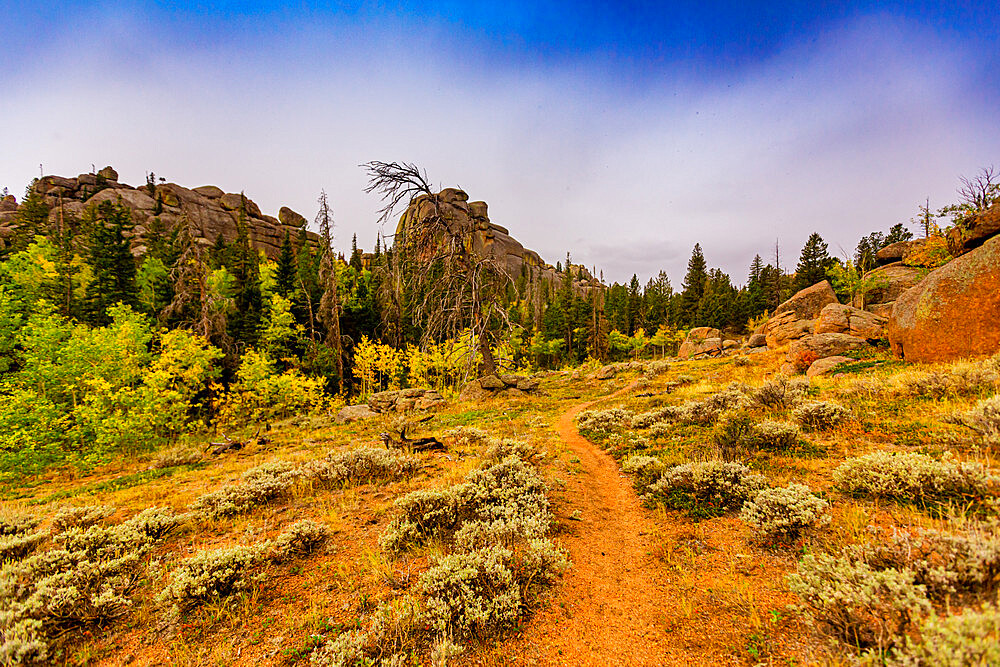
621,132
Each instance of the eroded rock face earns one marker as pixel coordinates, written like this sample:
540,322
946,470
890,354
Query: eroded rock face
974,231
894,252
809,349
490,239
404,400
826,365
503,386
786,327
952,313
700,340
806,304
838,318
891,281
207,210
353,413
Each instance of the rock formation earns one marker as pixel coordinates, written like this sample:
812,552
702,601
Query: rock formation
974,231
838,318
704,341
793,319
504,386
489,239
207,210
952,313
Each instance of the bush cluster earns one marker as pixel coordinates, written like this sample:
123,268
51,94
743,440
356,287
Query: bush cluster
820,415
706,488
983,420
780,393
79,517
962,379
176,456
968,638
275,480
651,418
82,581
465,436
646,470
860,605
965,566
913,477
603,422
785,513
495,525
300,539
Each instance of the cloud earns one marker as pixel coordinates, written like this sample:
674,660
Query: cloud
843,132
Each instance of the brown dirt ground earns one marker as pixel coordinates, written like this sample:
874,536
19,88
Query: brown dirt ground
643,589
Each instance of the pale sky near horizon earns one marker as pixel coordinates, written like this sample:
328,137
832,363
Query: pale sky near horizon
621,132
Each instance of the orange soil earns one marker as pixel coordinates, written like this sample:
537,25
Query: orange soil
627,600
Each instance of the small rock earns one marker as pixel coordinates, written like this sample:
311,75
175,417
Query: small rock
824,366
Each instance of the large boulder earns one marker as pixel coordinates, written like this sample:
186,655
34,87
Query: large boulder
404,400
894,252
826,365
952,313
786,327
353,413
700,340
890,281
803,352
807,303
108,174
838,318
974,231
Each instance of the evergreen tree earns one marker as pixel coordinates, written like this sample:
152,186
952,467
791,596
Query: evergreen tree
898,233
355,260
634,305
695,282
329,304
755,299
813,262
111,259
285,275
248,300
32,218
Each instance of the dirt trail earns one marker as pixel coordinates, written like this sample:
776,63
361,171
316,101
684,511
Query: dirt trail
620,604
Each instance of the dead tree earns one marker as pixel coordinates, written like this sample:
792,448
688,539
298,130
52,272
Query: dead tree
453,288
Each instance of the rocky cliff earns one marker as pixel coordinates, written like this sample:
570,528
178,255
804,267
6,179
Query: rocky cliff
490,239
207,210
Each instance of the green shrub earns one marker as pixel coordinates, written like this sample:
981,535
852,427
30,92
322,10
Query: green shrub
708,410
79,517
646,469
500,448
299,539
862,606
16,523
772,436
965,566
780,393
603,421
968,638
785,513
176,456
653,417
16,547
84,581
466,436
708,488
983,420
731,436
912,477
212,574
472,594
962,379
820,415
510,491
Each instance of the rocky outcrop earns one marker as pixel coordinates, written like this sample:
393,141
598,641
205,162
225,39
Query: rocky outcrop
974,231
806,304
826,365
784,328
491,240
354,413
805,351
838,318
952,313
207,211
503,386
701,340
889,282
404,400
894,252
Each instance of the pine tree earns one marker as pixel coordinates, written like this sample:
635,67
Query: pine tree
329,304
695,282
634,305
285,274
355,260
756,300
111,259
898,233
813,262
246,272
32,218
